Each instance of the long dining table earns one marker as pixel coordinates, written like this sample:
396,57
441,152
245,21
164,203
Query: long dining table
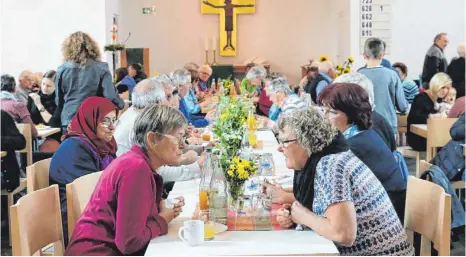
277,242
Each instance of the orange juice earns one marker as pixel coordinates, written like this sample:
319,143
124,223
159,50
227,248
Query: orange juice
252,139
203,200
209,230
251,121
206,137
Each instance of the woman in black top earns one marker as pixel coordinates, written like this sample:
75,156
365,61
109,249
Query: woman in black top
42,105
424,105
136,72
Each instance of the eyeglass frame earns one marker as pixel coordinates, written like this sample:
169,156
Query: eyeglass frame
287,142
179,140
106,122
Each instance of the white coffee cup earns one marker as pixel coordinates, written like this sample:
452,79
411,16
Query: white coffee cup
192,232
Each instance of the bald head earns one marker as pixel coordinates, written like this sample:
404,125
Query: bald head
148,93
328,68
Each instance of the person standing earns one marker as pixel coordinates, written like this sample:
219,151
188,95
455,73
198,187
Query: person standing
435,60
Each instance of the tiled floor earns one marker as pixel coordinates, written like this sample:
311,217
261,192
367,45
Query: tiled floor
458,247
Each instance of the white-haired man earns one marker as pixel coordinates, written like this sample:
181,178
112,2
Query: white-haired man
456,70
435,61
324,78
26,83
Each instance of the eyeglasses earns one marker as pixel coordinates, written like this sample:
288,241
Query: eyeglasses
204,73
176,140
107,122
286,143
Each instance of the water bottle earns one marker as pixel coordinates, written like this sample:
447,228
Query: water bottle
218,192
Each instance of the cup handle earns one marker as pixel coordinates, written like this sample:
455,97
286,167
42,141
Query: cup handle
180,232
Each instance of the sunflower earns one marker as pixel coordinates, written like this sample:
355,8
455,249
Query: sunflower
323,58
346,70
339,67
350,59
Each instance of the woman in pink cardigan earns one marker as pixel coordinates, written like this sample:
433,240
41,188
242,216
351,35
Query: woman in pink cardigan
125,212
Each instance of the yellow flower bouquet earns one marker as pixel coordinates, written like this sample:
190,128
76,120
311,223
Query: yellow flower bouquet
345,67
238,172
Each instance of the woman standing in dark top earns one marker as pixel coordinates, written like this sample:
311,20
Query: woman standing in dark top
424,105
42,105
456,71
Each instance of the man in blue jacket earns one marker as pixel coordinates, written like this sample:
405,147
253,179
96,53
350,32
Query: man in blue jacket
182,78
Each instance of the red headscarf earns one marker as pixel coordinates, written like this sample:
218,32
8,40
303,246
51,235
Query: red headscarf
85,122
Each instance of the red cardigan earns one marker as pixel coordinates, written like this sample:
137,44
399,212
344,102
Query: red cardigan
122,215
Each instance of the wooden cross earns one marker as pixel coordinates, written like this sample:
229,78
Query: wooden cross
228,9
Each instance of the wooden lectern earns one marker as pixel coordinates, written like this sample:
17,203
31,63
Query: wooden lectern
136,55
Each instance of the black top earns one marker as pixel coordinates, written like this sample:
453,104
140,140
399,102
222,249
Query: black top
11,141
381,126
311,87
48,101
456,70
421,107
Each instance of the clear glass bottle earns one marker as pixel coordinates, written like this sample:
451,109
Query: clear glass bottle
218,192
206,177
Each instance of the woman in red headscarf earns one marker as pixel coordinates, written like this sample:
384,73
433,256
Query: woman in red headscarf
88,147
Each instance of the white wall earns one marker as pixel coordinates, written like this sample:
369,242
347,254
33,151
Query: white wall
286,33
33,31
414,25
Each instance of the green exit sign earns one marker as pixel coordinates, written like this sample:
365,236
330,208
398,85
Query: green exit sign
148,10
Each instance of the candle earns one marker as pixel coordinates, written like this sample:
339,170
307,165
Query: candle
206,44
214,44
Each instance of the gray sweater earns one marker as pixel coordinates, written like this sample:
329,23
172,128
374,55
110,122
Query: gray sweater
388,93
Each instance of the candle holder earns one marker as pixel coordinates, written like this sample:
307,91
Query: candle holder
215,58
206,57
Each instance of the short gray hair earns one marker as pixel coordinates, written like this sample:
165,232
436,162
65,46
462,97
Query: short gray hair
160,119
312,130
279,84
374,47
361,80
166,80
147,93
181,77
325,66
461,49
256,72
439,36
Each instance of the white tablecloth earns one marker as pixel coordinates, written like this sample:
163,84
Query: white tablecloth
283,242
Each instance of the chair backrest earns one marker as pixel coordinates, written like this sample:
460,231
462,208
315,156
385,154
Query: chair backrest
38,175
438,131
78,194
25,130
428,212
36,222
402,123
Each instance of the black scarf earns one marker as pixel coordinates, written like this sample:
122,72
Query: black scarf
303,182
48,101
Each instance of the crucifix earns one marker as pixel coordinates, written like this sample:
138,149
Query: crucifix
228,11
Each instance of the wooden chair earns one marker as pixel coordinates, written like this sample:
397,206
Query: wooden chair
457,185
38,175
36,222
78,194
25,130
438,134
428,212
405,150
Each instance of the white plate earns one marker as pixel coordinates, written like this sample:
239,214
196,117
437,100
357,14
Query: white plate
220,228
42,128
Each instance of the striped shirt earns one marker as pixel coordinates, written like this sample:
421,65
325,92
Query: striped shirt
291,103
411,90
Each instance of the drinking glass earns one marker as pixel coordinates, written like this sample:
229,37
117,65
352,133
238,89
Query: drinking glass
208,217
266,164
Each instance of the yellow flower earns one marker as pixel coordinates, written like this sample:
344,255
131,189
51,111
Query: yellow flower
236,160
224,116
339,67
231,173
347,70
350,59
323,58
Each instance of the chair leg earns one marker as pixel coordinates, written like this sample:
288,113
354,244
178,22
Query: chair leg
417,165
10,203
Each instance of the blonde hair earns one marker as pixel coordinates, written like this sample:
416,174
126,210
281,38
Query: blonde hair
438,81
79,47
206,67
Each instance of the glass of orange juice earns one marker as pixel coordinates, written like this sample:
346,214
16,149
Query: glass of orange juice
209,223
252,139
206,136
203,199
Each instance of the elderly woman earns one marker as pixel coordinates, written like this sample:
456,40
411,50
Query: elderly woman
456,70
337,195
201,87
347,107
126,210
256,77
423,105
9,103
88,147
283,98
379,123
81,76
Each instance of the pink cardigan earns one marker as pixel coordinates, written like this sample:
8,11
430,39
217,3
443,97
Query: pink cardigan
122,215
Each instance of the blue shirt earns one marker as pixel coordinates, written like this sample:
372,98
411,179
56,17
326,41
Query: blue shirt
199,123
388,93
191,102
323,84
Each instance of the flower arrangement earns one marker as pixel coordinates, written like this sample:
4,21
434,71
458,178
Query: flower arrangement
114,48
323,58
238,172
345,67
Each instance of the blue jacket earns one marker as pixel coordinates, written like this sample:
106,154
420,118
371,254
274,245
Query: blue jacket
75,83
198,123
192,105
